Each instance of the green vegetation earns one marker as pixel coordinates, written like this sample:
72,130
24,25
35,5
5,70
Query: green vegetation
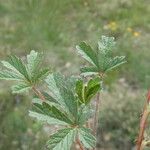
55,27
68,102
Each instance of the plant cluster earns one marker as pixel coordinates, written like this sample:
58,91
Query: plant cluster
67,102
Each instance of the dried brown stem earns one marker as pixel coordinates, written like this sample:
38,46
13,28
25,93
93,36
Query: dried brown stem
38,93
143,123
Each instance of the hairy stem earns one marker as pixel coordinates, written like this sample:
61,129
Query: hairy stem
38,93
143,123
79,143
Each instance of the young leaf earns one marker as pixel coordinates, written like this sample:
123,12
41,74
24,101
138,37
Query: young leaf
93,86
87,139
62,140
80,90
87,91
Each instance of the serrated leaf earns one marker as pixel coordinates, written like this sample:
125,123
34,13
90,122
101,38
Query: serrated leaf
33,61
87,71
42,74
46,118
27,75
62,140
9,75
62,93
87,53
106,44
115,62
104,61
48,97
20,88
53,112
87,139
84,113
15,64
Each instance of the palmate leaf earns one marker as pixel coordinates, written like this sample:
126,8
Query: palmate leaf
59,87
101,60
27,75
86,91
87,139
50,113
16,65
62,140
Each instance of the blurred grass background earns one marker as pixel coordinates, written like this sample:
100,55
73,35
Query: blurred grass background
55,27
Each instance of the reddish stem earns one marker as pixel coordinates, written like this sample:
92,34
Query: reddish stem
79,143
143,123
38,93
96,113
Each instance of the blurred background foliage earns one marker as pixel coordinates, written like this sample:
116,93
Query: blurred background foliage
55,27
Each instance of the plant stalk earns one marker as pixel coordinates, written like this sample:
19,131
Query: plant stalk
80,145
143,123
96,113
38,93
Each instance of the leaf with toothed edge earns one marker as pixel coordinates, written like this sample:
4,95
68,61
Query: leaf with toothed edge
20,88
86,138
62,139
27,75
87,53
46,119
52,111
61,91
101,60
